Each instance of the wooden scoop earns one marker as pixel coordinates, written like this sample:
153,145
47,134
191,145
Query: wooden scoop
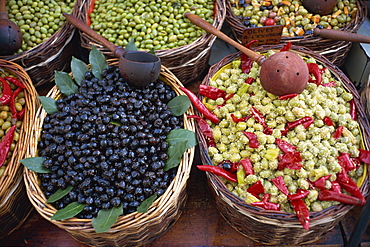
10,34
341,35
281,73
139,68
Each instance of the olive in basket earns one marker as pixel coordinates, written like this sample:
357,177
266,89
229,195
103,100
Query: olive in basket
104,145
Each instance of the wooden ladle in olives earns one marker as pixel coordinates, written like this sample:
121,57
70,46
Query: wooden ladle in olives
321,7
139,68
10,34
281,73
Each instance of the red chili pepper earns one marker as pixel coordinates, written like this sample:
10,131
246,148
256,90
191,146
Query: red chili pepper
302,213
265,204
329,84
335,186
292,125
226,99
268,131
237,120
364,156
280,184
288,96
349,185
15,82
320,183
290,160
307,123
253,141
249,80
330,195
285,131
218,171
247,62
346,162
5,144
20,114
300,194
211,92
200,106
232,167
247,165
258,116
327,120
12,107
338,132
285,146
256,188
286,47
90,10
7,92
314,70
353,111
205,129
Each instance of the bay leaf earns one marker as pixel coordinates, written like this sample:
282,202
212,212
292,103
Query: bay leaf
79,69
177,135
179,105
35,164
49,104
69,211
175,153
60,193
97,61
106,218
65,83
145,205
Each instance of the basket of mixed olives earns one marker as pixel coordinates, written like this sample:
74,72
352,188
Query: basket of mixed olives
300,19
160,26
109,162
47,42
286,168
18,105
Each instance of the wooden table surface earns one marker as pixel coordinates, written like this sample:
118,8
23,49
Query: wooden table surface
200,224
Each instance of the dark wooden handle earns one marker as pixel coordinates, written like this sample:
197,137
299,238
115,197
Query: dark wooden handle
3,13
212,30
341,35
86,29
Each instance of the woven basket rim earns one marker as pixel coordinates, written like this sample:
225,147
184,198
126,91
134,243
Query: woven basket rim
279,215
170,196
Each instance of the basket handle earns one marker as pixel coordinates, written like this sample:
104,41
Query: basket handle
341,35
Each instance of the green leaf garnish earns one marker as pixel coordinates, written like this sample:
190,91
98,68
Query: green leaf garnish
60,193
65,83
69,211
145,205
49,104
175,153
131,45
178,135
35,164
97,61
179,105
106,218
79,69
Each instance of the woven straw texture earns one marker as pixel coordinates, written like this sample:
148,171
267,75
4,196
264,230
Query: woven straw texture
134,229
55,53
273,227
14,204
188,62
334,50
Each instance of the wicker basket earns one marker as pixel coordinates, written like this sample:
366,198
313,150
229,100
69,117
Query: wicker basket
277,227
53,54
134,229
188,62
335,51
14,204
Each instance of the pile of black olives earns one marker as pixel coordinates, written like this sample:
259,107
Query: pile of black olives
108,141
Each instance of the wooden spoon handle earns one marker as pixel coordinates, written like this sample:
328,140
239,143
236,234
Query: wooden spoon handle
212,30
3,13
86,29
341,35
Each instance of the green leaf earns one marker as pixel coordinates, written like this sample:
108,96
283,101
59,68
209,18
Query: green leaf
106,218
69,211
131,45
49,104
179,105
178,135
145,205
65,83
79,69
175,153
60,193
35,164
97,61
